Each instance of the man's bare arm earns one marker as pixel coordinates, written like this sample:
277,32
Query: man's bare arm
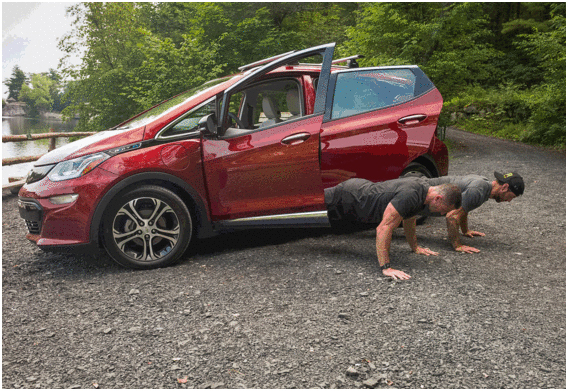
455,220
391,220
465,229
410,233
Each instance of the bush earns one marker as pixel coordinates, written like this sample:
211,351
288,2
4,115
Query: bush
534,115
547,124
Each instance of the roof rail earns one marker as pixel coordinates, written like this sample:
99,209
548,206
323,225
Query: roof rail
352,60
262,62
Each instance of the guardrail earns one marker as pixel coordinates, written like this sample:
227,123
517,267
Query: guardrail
16,183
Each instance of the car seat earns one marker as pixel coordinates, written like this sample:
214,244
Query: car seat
271,112
293,102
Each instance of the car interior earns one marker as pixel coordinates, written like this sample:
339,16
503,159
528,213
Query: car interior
264,105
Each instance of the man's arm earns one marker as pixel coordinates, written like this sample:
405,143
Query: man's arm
465,230
410,233
456,219
391,220
472,198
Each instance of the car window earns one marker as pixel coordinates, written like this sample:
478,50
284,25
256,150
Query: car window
368,90
172,104
189,121
266,104
278,102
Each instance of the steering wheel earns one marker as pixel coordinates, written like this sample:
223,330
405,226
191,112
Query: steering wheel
237,120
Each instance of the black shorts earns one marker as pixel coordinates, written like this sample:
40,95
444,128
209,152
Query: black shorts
334,209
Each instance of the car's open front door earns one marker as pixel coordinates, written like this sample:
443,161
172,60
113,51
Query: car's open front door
270,169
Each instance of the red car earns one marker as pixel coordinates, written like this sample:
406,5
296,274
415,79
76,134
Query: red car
255,149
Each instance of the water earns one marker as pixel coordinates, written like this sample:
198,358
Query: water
20,125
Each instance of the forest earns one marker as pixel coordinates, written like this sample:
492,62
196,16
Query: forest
501,67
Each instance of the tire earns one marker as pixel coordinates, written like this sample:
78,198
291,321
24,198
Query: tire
417,170
135,237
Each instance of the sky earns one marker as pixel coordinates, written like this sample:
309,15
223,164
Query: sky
30,33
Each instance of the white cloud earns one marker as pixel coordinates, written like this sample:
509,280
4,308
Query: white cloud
30,34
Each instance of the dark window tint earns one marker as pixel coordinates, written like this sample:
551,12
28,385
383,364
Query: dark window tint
368,90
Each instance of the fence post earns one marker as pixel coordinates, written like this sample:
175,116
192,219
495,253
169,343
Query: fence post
51,141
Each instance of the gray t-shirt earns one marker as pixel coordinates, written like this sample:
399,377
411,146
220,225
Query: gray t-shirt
363,201
475,189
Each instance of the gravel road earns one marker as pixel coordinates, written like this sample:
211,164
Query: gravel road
307,308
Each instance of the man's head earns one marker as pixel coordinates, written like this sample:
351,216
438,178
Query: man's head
444,198
507,187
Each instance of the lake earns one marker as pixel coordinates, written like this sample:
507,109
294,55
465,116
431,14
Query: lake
20,125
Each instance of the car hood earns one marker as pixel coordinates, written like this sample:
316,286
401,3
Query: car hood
92,144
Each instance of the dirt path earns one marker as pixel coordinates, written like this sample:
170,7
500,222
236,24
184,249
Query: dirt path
307,308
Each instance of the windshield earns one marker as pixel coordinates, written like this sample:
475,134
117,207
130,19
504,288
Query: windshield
171,104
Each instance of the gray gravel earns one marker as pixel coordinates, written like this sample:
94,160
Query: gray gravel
307,308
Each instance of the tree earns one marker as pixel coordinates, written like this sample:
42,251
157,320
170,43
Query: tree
15,82
548,101
448,40
167,70
107,37
56,90
38,96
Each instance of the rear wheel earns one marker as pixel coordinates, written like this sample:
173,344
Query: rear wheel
147,227
416,170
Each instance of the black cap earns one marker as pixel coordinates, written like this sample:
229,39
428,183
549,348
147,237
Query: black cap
514,180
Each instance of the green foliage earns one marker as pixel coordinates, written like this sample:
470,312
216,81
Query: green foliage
167,70
547,123
15,82
507,59
38,96
137,55
107,35
536,115
449,41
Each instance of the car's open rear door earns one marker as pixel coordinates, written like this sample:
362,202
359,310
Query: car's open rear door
377,120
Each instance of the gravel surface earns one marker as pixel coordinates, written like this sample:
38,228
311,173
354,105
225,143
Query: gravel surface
307,308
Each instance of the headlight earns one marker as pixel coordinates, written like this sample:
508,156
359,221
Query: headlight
77,167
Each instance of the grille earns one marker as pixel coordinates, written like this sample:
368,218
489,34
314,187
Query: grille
34,227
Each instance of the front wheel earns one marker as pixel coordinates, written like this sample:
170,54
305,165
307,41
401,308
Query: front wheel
147,227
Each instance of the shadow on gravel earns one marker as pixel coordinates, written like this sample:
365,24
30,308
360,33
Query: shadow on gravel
72,265
254,238
90,265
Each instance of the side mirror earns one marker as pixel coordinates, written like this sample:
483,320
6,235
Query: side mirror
208,124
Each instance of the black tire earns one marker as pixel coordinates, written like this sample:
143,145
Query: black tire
417,170
147,227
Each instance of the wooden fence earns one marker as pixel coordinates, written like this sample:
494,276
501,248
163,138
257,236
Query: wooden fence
16,183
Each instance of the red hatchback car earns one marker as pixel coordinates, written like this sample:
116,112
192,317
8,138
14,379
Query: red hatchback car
256,149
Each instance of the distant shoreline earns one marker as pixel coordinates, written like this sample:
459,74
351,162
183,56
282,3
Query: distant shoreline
14,109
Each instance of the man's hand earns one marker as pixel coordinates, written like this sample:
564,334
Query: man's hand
471,234
425,251
467,249
395,274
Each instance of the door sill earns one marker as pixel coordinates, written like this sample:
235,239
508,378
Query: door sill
316,219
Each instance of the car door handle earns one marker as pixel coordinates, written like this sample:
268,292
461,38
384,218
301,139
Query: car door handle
412,119
296,138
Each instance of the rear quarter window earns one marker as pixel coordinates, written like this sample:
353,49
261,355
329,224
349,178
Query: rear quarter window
368,90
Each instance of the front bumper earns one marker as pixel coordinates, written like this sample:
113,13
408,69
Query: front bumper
61,226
